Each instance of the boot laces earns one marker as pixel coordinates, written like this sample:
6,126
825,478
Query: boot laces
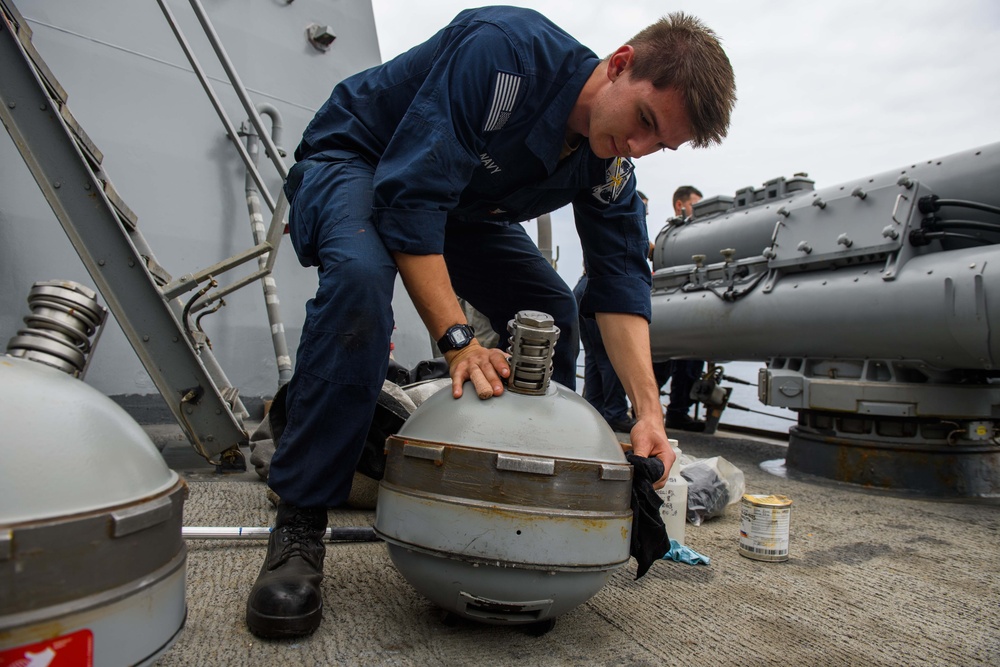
300,537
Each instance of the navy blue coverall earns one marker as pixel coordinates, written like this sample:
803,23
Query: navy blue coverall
601,386
442,150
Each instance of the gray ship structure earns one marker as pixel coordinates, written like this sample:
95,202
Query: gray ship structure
873,305
141,213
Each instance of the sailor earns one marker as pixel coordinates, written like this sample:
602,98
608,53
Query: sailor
424,166
682,374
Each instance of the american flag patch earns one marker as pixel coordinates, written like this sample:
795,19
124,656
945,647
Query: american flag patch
504,98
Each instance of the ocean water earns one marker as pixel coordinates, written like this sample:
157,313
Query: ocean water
766,417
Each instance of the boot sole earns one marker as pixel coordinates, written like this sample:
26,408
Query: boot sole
280,627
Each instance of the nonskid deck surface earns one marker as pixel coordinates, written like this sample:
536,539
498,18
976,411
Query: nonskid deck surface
872,579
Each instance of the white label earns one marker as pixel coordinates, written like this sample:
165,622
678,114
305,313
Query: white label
764,530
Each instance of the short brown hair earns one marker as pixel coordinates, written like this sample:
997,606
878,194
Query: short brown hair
681,52
684,193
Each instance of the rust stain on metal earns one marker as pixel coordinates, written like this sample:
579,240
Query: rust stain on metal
471,473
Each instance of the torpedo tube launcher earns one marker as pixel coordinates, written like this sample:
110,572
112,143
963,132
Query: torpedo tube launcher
873,304
513,510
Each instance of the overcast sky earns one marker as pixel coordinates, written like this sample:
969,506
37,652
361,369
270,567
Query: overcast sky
838,89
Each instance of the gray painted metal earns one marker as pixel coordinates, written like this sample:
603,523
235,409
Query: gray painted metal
130,626
938,312
829,302
510,510
238,87
250,165
875,314
75,189
138,98
873,387
749,229
42,409
919,571
497,598
90,521
936,469
562,425
272,300
519,537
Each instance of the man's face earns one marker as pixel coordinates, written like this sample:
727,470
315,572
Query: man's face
685,207
631,118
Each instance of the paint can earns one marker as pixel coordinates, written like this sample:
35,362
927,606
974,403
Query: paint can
764,527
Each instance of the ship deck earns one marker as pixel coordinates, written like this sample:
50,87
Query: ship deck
872,578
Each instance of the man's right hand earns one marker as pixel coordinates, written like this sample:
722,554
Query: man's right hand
427,282
484,366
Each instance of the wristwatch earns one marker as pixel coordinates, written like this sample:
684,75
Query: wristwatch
456,337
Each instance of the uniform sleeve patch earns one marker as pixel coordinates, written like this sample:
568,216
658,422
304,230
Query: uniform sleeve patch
618,174
505,92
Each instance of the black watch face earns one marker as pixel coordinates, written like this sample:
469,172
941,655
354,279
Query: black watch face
459,337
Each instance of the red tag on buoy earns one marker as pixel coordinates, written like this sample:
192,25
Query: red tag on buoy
76,648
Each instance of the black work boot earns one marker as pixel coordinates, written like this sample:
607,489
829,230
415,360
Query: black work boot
684,422
286,600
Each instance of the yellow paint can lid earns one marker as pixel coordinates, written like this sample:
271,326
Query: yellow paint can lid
768,500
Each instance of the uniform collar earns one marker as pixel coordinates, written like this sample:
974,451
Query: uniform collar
545,139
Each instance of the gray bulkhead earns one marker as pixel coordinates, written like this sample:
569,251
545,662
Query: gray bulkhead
136,96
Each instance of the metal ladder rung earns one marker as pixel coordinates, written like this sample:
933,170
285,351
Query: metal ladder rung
19,22
125,214
56,91
89,148
24,34
160,275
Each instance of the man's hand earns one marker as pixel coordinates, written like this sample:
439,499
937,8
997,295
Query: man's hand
427,282
482,365
626,338
650,440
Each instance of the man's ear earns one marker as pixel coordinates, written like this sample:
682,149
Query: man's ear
619,61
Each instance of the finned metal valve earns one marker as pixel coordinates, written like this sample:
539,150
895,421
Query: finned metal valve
64,316
533,337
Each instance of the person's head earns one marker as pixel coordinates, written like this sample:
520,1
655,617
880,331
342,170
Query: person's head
681,52
685,197
645,201
669,85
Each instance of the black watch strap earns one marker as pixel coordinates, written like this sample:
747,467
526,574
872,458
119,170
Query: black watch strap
456,337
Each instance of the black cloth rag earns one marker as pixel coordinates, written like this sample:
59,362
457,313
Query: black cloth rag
649,535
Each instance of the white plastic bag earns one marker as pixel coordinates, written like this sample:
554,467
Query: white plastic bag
713,485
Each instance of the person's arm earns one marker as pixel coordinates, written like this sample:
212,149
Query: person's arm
626,338
427,282
435,148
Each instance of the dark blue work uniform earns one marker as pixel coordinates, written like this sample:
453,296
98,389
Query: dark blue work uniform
441,151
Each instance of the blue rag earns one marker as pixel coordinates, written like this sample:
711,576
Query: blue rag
683,554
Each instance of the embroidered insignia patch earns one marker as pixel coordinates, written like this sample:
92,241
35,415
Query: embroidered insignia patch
505,92
618,173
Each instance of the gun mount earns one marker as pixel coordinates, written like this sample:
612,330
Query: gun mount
873,304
